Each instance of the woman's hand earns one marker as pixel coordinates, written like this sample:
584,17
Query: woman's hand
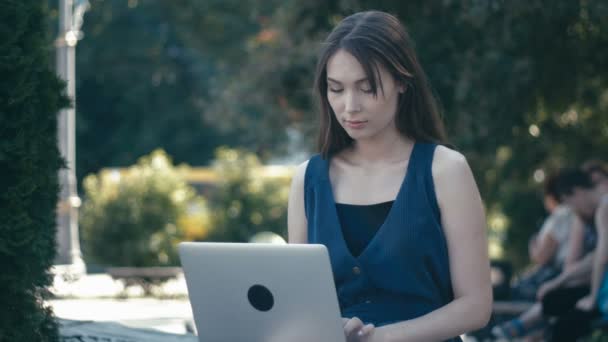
586,303
547,287
356,331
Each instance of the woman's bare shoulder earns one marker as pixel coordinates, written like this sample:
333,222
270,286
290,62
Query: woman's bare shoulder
299,173
296,216
453,177
447,161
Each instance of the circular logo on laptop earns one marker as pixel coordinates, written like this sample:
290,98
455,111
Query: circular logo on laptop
260,298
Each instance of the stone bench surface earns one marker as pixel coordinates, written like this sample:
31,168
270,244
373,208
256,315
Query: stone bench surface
510,307
88,331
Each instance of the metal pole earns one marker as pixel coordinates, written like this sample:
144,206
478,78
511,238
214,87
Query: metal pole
68,242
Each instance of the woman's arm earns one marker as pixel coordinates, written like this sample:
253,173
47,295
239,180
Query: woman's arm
601,255
577,274
544,249
296,216
555,236
464,224
575,242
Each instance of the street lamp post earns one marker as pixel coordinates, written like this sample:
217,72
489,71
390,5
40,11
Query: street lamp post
69,258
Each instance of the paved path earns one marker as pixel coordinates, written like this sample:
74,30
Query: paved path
171,316
82,331
97,306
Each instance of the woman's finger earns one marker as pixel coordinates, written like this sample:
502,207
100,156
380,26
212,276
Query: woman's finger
352,327
366,330
344,321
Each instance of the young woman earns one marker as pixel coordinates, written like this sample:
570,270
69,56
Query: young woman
400,214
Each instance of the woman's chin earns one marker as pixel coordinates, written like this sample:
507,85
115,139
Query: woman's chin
358,134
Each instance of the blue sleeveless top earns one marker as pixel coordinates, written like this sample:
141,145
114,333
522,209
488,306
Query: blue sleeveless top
403,272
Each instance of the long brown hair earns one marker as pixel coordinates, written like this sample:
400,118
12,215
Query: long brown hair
376,38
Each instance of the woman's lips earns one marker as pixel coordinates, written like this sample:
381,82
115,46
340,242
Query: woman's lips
355,124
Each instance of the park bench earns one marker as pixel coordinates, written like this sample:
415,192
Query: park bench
145,277
510,307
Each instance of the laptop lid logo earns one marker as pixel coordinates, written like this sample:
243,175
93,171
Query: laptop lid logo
260,298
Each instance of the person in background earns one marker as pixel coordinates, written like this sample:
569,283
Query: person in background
598,172
572,296
550,251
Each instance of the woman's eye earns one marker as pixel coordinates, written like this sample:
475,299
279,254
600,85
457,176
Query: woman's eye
335,90
367,90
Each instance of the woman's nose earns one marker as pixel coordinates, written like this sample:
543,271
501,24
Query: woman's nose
352,103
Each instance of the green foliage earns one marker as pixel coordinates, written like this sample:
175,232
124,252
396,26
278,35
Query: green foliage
225,72
523,85
30,97
146,70
598,336
137,218
247,200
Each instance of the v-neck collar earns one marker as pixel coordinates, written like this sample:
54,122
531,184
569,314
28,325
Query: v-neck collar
389,216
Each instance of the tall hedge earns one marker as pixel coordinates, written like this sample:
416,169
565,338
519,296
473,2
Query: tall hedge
30,97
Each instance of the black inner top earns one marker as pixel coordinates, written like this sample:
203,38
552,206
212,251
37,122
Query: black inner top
360,223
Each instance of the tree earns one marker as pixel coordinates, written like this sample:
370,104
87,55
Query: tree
147,72
30,97
522,83
523,86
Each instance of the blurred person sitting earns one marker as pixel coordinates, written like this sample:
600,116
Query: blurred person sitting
550,251
572,296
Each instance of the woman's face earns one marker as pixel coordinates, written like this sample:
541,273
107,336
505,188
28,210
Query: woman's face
550,203
599,181
580,202
360,113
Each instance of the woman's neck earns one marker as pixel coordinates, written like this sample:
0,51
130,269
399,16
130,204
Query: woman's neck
387,149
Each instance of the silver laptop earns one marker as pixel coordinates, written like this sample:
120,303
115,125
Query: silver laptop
261,292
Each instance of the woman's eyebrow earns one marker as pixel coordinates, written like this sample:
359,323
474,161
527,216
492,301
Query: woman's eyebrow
357,81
